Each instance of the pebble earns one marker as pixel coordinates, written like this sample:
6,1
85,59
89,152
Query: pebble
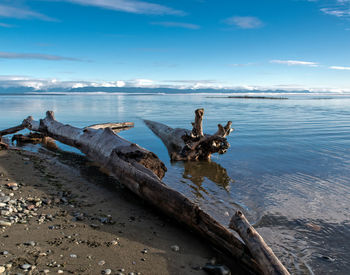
46,271
101,262
11,185
60,271
31,243
114,242
145,251
2,269
175,248
5,223
5,199
95,226
107,271
25,266
217,269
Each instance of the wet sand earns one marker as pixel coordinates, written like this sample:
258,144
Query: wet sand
70,223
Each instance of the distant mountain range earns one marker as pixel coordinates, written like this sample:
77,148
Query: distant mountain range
132,90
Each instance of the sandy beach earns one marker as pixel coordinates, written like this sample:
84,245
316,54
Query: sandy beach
80,221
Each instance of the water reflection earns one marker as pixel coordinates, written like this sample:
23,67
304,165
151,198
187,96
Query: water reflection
198,171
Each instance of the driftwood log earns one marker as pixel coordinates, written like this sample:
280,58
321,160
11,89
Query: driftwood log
263,254
183,144
141,172
35,138
10,131
3,145
101,145
13,130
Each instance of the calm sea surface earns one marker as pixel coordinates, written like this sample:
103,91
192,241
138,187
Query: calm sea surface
288,167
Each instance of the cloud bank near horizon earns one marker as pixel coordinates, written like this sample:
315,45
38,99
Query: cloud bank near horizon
8,82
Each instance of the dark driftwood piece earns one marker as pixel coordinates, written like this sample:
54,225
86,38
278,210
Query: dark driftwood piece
3,145
263,254
141,171
13,130
35,138
183,144
30,138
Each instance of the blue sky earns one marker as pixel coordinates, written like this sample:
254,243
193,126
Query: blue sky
273,44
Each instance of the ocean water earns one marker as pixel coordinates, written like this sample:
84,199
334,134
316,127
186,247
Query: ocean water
288,167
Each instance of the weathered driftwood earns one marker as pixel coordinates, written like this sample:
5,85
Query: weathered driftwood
13,130
113,126
141,171
29,138
35,138
183,144
3,145
263,254
100,145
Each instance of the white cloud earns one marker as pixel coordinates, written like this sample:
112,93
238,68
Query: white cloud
177,24
295,63
12,55
142,82
340,68
244,22
132,6
120,83
242,64
5,25
343,1
22,13
339,8
47,83
336,12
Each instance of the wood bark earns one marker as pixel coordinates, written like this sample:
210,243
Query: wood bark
263,254
3,145
36,138
12,130
141,172
183,144
99,144
114,126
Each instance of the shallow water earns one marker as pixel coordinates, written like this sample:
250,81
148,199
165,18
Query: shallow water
288,167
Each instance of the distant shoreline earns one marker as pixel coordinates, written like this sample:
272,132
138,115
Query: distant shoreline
251,97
